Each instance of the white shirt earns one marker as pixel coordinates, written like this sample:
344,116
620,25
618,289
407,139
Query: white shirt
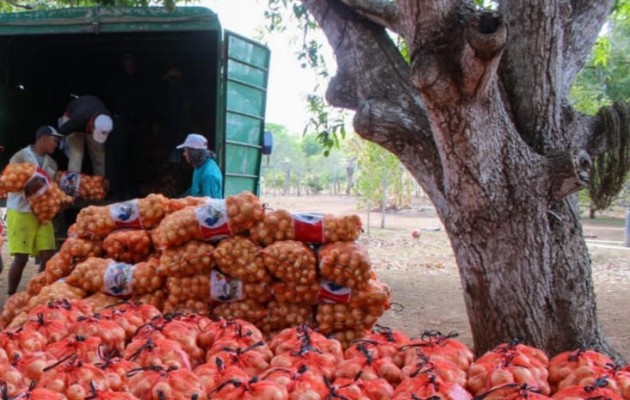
16,200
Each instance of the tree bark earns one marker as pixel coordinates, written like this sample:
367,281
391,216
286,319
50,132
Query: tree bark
479,118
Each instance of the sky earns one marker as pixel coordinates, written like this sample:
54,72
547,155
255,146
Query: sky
288,82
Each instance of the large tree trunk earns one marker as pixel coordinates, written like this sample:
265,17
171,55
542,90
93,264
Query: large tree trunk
479,117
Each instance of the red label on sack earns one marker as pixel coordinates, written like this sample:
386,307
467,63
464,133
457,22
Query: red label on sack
330,292
126,215
309,227
213,220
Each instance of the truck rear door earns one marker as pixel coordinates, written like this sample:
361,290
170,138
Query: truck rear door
245,69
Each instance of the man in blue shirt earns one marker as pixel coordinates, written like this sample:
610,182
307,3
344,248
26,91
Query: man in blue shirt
207,179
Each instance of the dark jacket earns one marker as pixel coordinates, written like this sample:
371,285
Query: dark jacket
79,111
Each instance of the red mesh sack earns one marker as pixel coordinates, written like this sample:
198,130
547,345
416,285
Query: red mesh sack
111,334
509,363
179,328
18,343
130,316
294,339
236,333
429,386
12,382
163,353
564,364
371,367
116,370
434,343
253,390
80,348
157,383
53,330
73,378
32,365
385,341
62,310
213,374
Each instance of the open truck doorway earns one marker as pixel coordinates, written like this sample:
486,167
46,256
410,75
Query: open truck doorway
161,75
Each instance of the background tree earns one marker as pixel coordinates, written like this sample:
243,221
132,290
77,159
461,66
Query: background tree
382,181
604,80
480,116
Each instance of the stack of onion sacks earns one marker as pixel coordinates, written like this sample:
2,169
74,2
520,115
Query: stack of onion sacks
205,222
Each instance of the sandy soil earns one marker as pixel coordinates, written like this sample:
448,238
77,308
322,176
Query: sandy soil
422,274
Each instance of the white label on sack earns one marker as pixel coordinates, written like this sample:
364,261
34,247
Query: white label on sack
213,220
126,215
330,292
118,278
41,176
224,288
70,182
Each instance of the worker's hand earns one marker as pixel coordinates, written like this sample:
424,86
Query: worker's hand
34,185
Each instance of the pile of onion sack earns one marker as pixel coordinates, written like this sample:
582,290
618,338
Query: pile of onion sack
228,259
86,349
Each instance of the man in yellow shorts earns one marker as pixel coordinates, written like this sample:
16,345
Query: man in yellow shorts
26,235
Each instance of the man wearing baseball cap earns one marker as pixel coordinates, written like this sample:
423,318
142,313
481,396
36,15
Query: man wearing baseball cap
207,179
86,121
26,235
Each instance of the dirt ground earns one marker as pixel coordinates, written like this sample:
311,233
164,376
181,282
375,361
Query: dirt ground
426,290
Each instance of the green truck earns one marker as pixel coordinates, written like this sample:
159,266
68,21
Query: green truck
46,57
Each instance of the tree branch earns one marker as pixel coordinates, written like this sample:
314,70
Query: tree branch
16,4
486,35
580,32
569,171
381,12
532,70
389,110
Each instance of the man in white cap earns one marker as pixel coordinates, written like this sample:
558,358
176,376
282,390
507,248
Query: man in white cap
86,121
207,179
